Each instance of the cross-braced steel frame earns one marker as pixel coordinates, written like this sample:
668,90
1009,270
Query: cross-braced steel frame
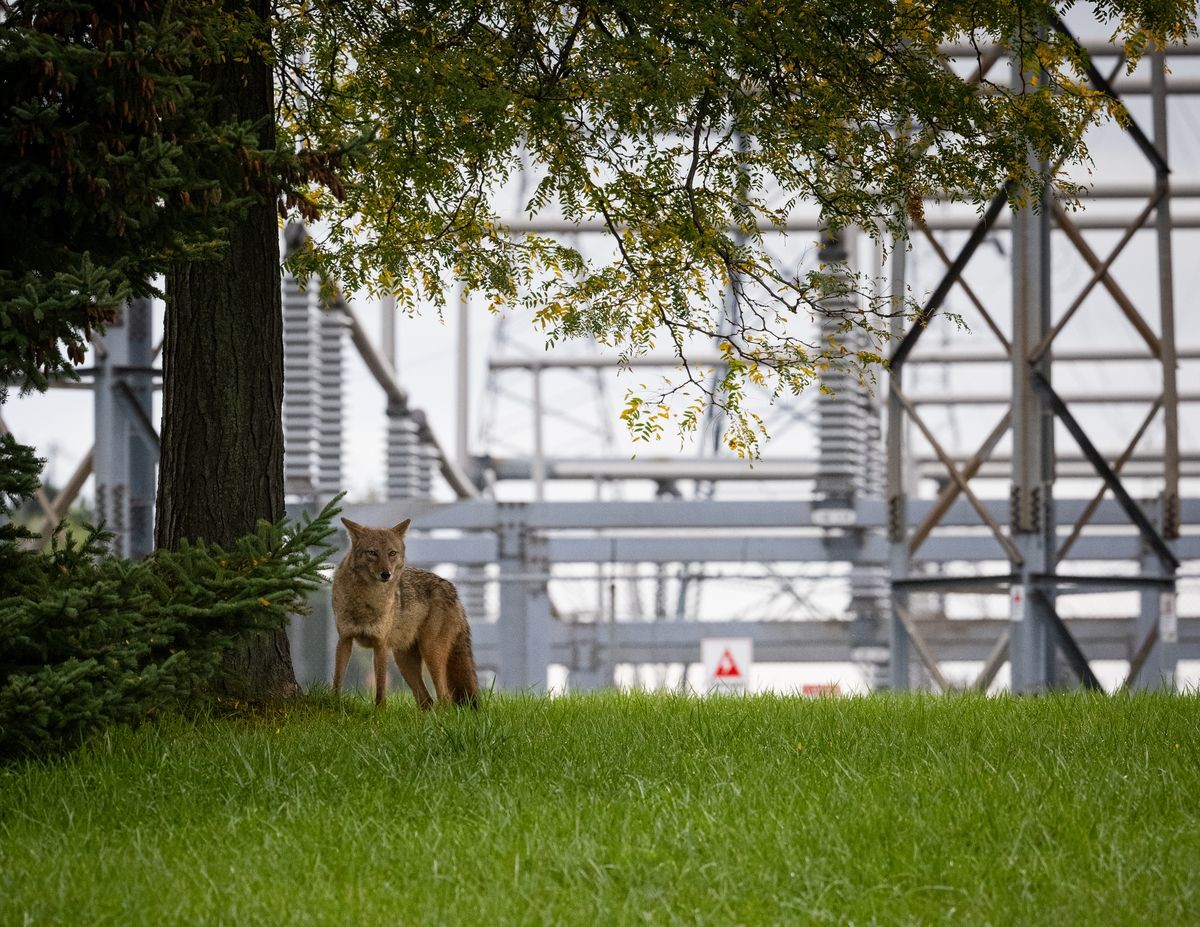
1038,573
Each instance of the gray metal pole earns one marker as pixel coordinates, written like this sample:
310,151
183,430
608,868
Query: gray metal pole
143,440
539,449
1031,520
1166,296
897,497
1158,669
463,415
387,329
1161,664
524,624
510,537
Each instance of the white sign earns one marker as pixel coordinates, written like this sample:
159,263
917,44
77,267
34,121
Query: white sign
727,663
1017,598
1168,618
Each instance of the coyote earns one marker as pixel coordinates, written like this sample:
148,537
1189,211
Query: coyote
384,604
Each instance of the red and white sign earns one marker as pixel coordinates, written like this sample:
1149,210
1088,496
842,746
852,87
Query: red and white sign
1016,597
727,663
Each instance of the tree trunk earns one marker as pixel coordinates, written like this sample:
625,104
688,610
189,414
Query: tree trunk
221,468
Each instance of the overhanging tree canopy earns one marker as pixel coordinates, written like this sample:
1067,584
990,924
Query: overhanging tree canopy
687,128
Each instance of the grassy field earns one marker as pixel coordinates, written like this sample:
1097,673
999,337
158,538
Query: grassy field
615,809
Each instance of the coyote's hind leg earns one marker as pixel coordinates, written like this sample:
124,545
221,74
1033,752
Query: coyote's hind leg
409,663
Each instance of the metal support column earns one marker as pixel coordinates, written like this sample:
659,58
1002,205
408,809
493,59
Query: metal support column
1161,663
539,441
1031,521
524,624
312,638
463,397
900,667
1158,668
126,451
591,661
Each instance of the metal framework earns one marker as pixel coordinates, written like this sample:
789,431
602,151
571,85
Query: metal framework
522,544
1036,632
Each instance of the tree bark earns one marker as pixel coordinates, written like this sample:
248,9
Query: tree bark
221,468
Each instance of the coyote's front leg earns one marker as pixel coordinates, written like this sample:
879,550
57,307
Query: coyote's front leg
340,659
381,656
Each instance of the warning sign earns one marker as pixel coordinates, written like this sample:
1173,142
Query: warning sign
1017,599
727,667
727,663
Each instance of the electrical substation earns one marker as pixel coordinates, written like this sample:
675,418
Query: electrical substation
1013,502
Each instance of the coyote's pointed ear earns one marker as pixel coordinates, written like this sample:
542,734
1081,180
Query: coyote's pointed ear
403,526
353,527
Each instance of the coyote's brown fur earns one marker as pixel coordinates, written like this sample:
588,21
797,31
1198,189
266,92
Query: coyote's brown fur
386,605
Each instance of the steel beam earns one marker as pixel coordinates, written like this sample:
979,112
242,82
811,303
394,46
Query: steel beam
801,469
896,488
725,516
1101,83
799,641
952,490
1082,520
1151,536
1066,643
1032,516
1166,300
1105,548
524,652
937,219
981,584
960,354
978,233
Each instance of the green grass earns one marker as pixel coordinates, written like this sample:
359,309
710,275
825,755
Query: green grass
603,810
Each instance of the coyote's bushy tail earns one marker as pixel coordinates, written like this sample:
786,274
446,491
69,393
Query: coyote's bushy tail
460,672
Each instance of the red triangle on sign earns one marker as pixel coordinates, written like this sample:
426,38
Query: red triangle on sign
726,667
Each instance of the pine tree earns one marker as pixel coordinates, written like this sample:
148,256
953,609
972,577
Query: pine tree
88,639
116,163
124,155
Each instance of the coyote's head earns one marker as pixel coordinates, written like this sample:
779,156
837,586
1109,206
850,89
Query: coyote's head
377,552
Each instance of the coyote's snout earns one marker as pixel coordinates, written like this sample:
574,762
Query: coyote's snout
417,616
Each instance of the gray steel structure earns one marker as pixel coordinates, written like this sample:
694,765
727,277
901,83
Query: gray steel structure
523,542
1027,534
1036,634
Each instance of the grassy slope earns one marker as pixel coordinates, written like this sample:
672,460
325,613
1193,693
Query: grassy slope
609,810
